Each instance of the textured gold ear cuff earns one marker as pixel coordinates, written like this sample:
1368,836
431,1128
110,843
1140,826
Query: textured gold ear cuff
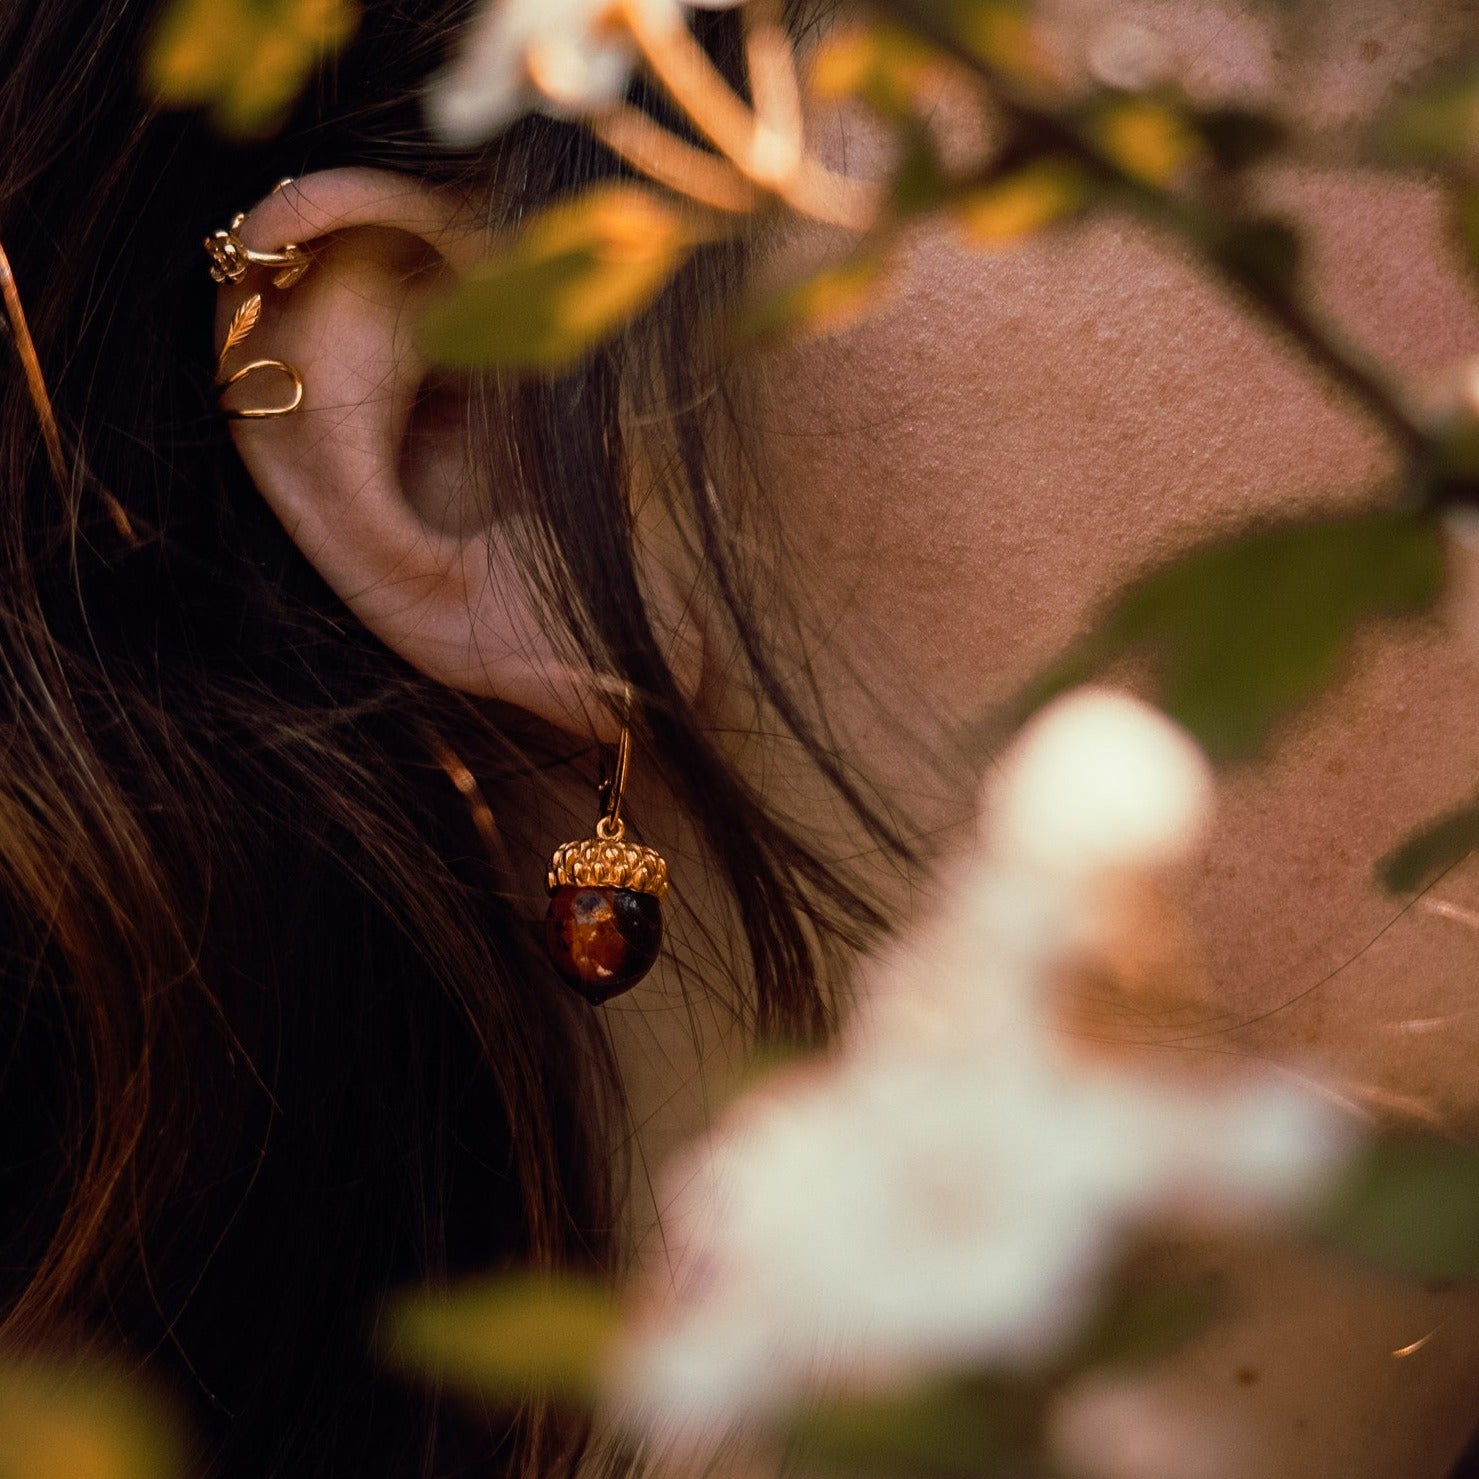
231,259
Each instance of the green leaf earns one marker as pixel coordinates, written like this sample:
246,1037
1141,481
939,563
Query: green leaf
1239,137
1265,254
974,1428
1143,1322
1242,633
1431,852
1409,1206
506,1338
1436,127
245,60
576,274
919,180
83,1421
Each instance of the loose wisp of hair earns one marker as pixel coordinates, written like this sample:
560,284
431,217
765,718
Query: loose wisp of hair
275,1038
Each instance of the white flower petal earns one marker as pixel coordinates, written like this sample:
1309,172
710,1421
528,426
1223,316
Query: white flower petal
1097,782
951,1187
587,62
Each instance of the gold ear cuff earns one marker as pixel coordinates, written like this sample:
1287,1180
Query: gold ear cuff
243,321
231,259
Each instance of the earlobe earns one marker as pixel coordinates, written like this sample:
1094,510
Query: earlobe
445,593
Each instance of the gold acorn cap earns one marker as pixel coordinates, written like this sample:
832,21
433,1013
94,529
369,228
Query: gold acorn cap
608,860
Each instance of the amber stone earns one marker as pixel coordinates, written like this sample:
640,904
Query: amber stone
602,940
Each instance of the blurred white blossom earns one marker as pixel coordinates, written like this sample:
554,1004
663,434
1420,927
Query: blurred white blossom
566,57
951,1186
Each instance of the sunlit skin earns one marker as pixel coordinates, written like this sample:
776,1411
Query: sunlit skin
964,477
956,483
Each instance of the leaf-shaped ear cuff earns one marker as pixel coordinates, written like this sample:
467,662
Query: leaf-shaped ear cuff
231,259
243,321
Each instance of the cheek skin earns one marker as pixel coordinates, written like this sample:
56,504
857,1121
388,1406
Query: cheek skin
966,476
961,480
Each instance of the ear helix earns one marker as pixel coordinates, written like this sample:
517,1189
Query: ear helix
603,928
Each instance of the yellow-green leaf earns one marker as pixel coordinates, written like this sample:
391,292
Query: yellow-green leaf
978,1427
1001,33
1436,126
1004,34
507,1338
1007,210
1141,1322
884,65
82,1421
577,272
245,60
821,302
1149,140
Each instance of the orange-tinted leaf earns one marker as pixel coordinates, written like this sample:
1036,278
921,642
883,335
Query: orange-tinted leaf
822,302
576,274
245,60
1148,140
883,65
1017,206
82,1421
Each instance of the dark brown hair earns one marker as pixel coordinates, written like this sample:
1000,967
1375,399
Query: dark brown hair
272,1036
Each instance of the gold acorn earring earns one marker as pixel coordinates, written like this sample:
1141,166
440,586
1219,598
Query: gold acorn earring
603,928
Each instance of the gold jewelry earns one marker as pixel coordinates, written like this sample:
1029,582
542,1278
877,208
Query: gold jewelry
231,258
603,929
243,321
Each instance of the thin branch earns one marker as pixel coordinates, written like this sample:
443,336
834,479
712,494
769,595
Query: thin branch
664,157
770,61
1031,113
696,85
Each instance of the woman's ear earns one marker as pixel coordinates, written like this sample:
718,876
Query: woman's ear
376,493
